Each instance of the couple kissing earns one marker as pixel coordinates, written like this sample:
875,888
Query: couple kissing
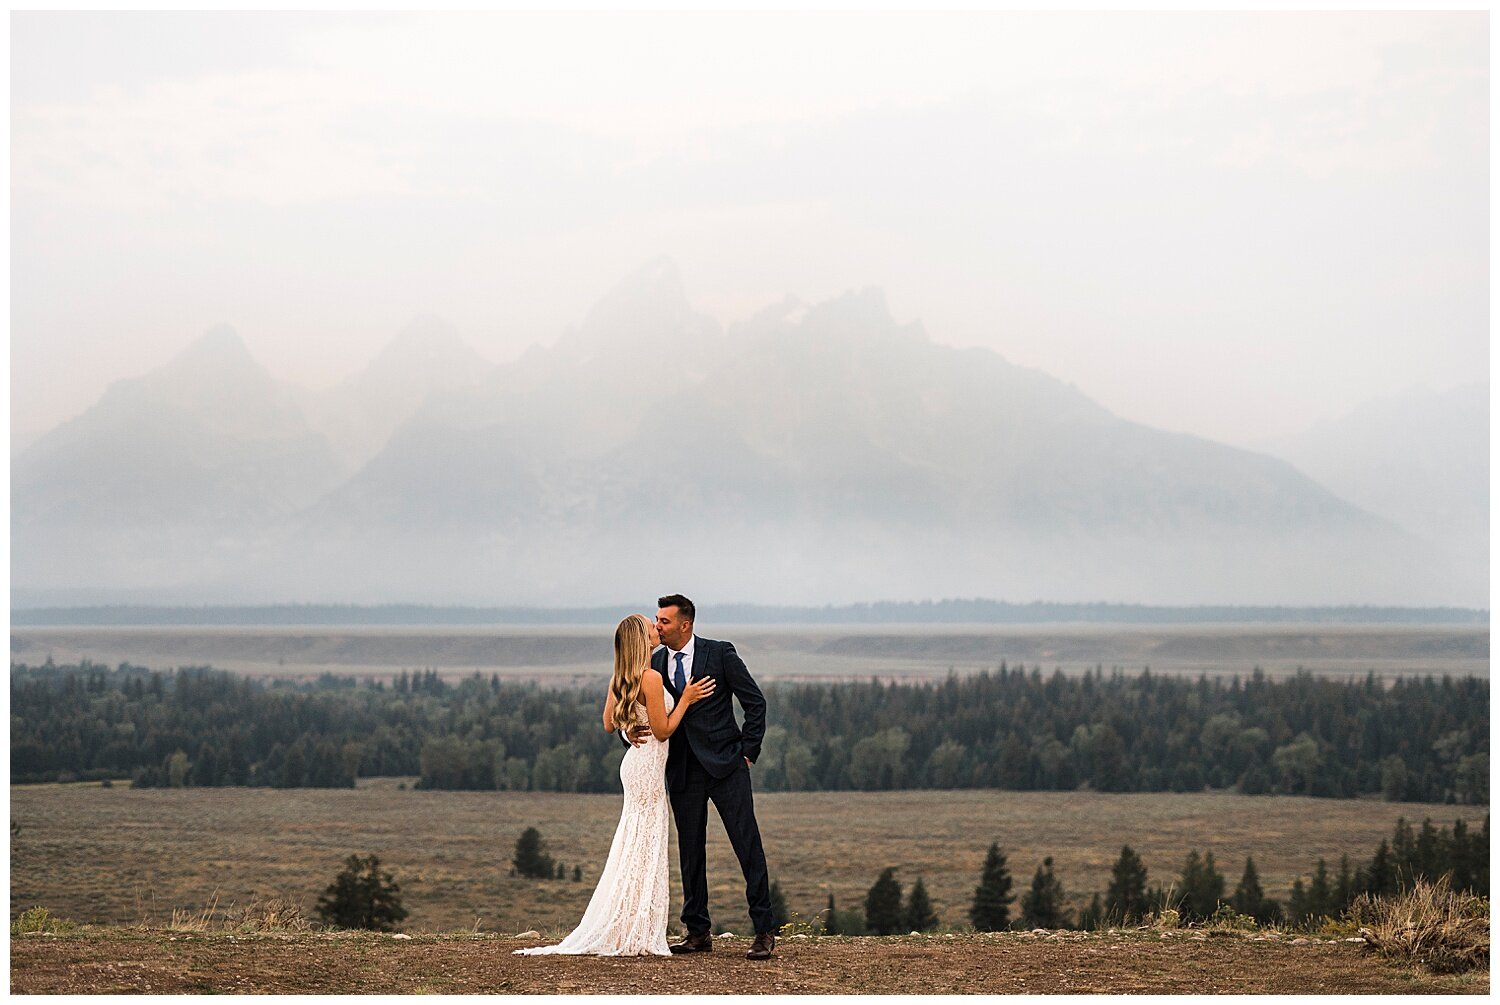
671,699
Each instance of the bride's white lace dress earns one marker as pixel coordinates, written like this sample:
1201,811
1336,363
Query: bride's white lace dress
627,915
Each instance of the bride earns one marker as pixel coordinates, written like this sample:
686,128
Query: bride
627,915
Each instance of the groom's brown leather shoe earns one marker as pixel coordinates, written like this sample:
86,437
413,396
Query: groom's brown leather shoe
703,943
761,948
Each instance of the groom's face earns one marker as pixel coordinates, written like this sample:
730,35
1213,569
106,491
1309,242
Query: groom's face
674,629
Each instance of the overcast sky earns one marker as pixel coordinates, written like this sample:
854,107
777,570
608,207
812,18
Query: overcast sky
1223,224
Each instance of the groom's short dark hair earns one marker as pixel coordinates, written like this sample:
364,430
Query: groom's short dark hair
680,602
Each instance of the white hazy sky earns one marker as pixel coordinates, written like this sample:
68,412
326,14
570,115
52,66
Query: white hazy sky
1225,224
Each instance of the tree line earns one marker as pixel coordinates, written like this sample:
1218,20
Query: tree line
1196,894
1413,739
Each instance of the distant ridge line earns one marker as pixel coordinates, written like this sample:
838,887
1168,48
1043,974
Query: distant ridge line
976,611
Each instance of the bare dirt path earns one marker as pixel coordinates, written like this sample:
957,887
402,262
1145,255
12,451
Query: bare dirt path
112,961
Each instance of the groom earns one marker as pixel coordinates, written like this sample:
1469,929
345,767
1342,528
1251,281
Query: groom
709,758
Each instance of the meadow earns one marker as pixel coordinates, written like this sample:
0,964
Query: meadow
123,856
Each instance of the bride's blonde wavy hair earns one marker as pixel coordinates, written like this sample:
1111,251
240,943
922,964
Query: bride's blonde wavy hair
632,653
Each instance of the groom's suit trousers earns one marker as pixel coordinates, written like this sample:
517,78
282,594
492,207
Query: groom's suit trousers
732,798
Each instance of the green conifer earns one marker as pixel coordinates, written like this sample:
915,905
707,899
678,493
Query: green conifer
1126,897
883,905
1042,905
919,913
992,898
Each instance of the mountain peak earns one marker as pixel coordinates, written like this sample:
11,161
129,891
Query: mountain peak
427,352
645,310
857,307
221,342
217,356
652,294
425,336
659,277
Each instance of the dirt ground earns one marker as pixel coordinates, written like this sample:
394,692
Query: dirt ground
112,961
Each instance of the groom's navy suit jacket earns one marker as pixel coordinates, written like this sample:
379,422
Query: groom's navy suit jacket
709,728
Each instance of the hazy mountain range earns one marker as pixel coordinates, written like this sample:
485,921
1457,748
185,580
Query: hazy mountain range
814,454
1420,459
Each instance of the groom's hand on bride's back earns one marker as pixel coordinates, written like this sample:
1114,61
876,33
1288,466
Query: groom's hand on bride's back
638,735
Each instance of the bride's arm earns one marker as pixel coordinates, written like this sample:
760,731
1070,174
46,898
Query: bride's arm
663,725
609,709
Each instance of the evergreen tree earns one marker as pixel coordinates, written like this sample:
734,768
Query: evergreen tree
1297,907
1380,880
1092,917
1249,899
1202,887
779,914
1320,893
1460,857
578,874
992,898
293,767
831,919
531,858
1404,854
1480,863
1393,778
1344,889
204,771
1426,852
362,896
919,913
1042,905
1111,772
883,905
1126,897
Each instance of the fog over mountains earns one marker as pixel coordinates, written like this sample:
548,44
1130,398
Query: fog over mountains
814,454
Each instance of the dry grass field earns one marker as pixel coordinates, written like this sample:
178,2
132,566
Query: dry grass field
118,855
569,655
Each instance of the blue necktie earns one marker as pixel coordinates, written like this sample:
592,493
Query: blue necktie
679,678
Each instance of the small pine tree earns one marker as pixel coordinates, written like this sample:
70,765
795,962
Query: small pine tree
531,858
1202,887
992,897
831,924
1126,896
560,871
362,896
1249,898
1380,881
1091,917
1343,891
1042,905
919,913
1404,850
1460,857
1426,854
883,905
1297,903
779,914
578,874
1320,893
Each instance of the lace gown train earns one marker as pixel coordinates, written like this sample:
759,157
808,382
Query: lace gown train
627,915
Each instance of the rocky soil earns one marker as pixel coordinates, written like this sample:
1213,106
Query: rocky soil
133,960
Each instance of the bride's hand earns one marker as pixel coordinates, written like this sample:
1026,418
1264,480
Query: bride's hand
698,690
